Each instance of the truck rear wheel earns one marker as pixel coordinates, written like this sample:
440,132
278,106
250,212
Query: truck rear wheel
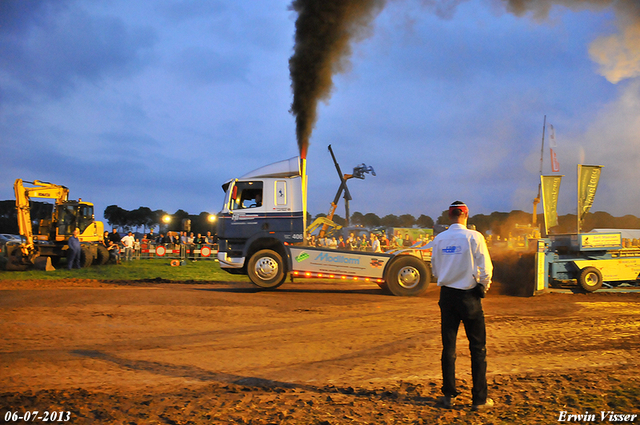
408,276
590,279
266,269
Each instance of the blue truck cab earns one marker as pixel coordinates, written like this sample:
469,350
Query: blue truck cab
262,211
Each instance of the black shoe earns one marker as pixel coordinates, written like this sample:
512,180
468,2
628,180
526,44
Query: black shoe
446,401
485,406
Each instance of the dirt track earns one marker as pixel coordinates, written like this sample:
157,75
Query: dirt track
305,353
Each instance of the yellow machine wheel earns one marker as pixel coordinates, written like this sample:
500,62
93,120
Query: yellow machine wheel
590,279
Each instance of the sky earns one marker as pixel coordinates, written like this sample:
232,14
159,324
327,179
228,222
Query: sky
157,104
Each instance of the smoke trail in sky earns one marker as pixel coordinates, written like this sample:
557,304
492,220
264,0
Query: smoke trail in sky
618,55
324,32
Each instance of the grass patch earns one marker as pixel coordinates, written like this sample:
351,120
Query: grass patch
202,270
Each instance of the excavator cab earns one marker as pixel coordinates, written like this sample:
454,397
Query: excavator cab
73,215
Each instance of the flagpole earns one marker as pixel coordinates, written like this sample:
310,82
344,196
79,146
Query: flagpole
537,200
544,126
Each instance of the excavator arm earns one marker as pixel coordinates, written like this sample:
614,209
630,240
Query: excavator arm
23,195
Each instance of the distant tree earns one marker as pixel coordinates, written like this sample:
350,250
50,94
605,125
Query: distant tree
443,219
339,220
115,215
424,221
370,220
181,214
142,216
390,220
628,222
407,220
357,218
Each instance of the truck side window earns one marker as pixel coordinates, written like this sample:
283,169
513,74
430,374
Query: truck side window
246,195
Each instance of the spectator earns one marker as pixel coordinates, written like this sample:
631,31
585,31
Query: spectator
75,251
399,241
128,242
114,249
364,243
462,265
341,244
375,243
384,242
115,236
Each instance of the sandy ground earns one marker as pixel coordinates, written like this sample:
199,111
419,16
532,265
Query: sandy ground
319,353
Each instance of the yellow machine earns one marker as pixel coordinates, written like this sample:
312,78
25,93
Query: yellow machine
53,234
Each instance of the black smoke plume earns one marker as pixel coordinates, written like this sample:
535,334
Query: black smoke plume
324,32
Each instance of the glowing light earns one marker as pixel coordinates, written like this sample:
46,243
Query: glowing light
212,218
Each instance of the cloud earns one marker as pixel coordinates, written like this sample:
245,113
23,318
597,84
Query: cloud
618,55
205,66
612,140
48,49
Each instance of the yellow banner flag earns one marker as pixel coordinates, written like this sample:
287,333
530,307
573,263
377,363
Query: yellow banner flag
550,189
588,178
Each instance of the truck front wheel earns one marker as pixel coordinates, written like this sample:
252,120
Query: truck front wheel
408,276
266,269
590,279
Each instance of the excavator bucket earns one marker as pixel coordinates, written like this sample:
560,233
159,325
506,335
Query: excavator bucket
43,263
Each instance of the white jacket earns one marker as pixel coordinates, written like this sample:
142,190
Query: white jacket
461,259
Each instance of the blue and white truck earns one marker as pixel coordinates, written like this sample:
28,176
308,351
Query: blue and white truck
261,233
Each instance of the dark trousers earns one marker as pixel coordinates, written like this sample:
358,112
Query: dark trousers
73,259
463,306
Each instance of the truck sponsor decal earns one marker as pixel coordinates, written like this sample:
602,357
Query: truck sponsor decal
324,256
376,263
303,256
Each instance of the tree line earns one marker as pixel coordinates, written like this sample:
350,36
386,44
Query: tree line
497,223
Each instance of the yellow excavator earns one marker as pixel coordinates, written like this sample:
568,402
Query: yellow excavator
53,233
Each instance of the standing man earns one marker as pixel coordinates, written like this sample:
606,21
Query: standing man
128,241
462,265
74,253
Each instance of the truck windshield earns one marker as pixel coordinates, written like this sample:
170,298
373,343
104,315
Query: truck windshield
246,195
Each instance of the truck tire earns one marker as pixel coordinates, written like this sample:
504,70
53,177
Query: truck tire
266,269
590,279
408,276
86,257
103,255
